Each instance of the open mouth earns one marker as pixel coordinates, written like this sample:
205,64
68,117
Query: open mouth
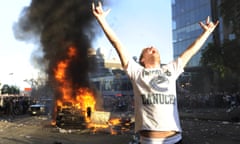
153,51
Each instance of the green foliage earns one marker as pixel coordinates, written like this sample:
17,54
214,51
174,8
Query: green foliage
213,56
224,58
7,89
231,55
229,10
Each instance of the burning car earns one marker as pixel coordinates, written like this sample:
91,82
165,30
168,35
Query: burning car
69,116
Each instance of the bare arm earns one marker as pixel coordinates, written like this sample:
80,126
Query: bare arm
100,16
197,44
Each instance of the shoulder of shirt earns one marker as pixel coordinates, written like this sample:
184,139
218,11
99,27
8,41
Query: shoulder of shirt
178,60
133,62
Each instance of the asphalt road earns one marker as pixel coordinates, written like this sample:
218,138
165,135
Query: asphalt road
37,130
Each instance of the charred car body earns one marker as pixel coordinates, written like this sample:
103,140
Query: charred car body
69,116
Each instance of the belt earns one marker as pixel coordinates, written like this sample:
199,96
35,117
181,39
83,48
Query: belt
157,134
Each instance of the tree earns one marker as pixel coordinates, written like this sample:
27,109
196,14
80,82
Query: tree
212,56
6,89
229,10
231,53
224,62
224,58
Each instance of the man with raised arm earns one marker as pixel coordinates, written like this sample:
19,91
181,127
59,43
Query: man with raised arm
156,114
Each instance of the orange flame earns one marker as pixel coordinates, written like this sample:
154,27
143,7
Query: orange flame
83,97
86,99
115,121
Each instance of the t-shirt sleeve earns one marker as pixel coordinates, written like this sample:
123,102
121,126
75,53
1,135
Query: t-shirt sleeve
132,69
176,67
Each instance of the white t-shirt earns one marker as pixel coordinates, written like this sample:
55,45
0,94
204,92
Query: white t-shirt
155,96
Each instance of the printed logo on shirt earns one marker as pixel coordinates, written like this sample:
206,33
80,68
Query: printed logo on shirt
159,81
156,82
157,98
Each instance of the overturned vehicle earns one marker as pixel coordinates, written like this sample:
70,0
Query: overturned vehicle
70,116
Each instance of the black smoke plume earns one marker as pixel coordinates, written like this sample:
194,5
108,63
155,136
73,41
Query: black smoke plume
55,25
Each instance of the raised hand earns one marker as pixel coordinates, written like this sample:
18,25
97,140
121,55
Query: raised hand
98,11
100,15
209,26
192,49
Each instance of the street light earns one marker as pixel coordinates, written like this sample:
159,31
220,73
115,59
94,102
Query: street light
11,74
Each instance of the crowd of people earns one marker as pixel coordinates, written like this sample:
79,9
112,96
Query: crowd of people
215,100
14,105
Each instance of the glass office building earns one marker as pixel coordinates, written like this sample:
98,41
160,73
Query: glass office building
186,15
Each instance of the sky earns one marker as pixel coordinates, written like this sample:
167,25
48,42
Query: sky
14,55
137,23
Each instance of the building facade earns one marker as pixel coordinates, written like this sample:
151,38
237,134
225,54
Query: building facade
186,15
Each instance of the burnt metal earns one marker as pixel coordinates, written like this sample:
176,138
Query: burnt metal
69,117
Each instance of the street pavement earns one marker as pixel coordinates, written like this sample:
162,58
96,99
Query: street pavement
200,126
210,126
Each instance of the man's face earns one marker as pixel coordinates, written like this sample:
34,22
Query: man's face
150,50
149,55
